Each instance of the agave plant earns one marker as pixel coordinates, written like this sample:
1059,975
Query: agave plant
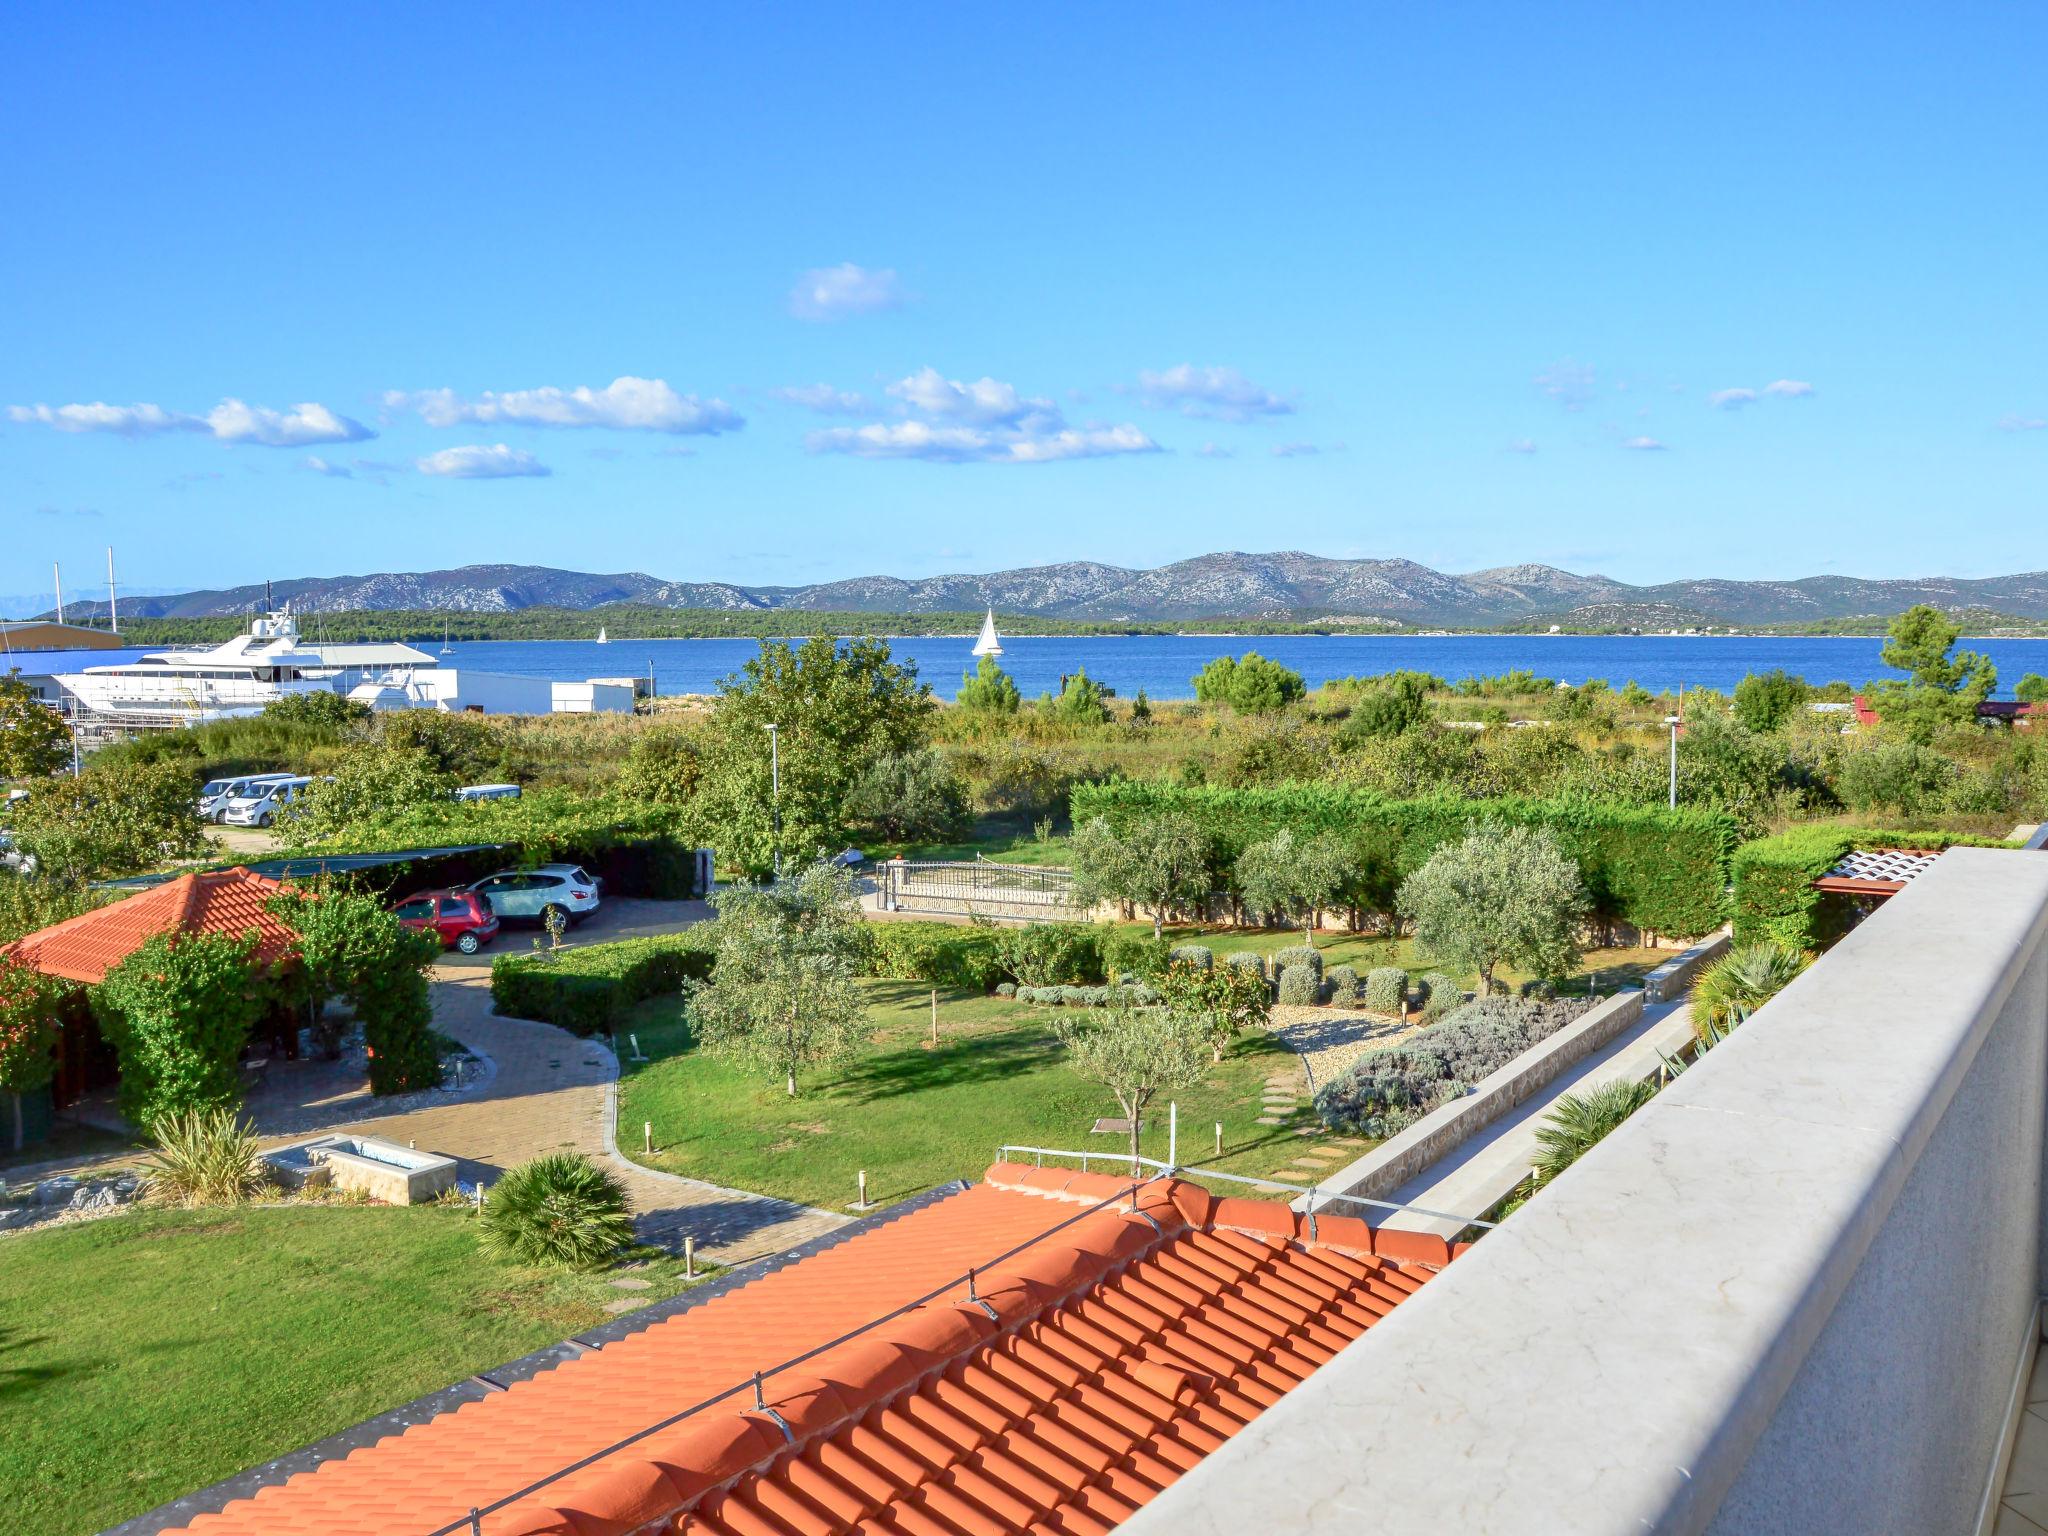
560,1208
204,1157
1739,983
1578,1120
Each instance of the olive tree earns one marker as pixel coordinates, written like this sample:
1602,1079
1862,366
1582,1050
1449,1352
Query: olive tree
1136,1053
783,994
1288,878
1503,896
1160,862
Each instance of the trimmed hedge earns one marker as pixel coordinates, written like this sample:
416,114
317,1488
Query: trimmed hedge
1299,954
1440,994
1246,960
1299,984
1200,956
1774,895
1345,987
943,954
1665,871
589,990
1386,989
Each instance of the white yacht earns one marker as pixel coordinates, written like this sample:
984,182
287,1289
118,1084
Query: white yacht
237,678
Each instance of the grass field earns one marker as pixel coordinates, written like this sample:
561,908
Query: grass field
147,1355
1601,970
915,1115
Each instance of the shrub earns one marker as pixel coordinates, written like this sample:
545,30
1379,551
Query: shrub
1074,997
1440,994
1579,1121
1388,1089
1345,987
1200,956
1386,989
1135,995
590,990
560,1208
1299,984
1131,954
1775,901
1006,989
910,795
1046,954
1739,983
944,954
1244,959
178,1011
1299,954
1249,684
204,1157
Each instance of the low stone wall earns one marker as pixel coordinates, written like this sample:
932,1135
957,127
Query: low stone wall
1395,1161
1674,978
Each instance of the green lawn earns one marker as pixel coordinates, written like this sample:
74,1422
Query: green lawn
146,1355
914,1115
1602,970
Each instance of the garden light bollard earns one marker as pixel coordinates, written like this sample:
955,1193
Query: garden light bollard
863,1189
647,1136
689,1258
1219,1138
1172,1137
935,1015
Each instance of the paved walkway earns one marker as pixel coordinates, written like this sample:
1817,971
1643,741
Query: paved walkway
546,1091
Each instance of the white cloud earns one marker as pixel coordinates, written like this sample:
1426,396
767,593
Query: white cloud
1295,450
978,445
824,399
1570,384
321,466
1521,445
833,293
1219,394
232,421
2014,422
626,404
1731,399
1644,445
985,402
1211,451
1789,389
476,462
1778,389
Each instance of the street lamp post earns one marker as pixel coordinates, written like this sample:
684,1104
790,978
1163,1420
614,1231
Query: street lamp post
775,792
1673,722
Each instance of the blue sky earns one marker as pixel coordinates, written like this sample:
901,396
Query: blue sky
775,295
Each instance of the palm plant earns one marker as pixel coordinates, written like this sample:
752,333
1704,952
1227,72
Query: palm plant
1738,984
1579,1120
560,1208
204,1157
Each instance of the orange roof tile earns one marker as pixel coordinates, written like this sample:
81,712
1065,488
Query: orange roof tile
1081,1377
86,947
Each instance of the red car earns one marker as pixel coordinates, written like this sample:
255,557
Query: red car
463,920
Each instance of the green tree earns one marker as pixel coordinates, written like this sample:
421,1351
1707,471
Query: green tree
837,707
28,1037
1764,701
34,740
1141,709
178,1011
330,710
1286,878
1396,703
1221,1002
373,781
663,767
349,946
1136,1053
1249,684
1898,776
1579,1121
1503,896
988,690
2032,689
1943,690
111,820
782,996
1160,862
910,797
1080,700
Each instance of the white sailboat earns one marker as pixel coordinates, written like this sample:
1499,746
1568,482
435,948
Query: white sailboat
990,643
446,648
602,637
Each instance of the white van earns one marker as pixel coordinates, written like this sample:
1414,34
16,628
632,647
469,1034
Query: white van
261,804
215,795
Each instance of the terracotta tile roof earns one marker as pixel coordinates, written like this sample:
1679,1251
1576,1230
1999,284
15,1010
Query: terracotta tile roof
1081,1377
1876,871
86,947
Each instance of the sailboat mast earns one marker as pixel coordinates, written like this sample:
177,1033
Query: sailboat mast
57,579
113,603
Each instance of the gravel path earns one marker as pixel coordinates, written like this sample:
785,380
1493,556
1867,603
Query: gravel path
1328,1040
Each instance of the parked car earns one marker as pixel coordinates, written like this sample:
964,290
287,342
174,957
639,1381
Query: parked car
261,804
533,893
215,795
13,858
488,792
462,919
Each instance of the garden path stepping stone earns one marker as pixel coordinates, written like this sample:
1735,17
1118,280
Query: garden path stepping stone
623,1304
630,1284
1270,1120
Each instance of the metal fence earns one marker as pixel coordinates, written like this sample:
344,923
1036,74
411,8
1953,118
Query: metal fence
961,885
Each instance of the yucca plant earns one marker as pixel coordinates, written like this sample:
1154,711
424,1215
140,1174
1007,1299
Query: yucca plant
1739,983
560,1208
204,1157
1579,1120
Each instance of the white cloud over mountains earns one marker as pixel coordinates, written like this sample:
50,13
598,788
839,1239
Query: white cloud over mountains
951,421
478,462
834,293
627,404
1214,393
232,421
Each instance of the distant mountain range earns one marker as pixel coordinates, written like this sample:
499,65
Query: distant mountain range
1286,586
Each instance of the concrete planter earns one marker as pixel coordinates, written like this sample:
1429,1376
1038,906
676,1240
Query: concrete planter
383,1170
